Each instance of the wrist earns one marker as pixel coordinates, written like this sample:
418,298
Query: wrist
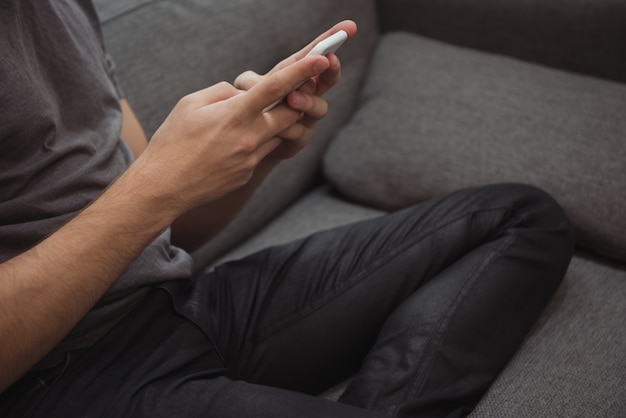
145,197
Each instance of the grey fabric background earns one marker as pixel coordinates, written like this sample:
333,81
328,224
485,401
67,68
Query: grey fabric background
166,49
435,118
577,35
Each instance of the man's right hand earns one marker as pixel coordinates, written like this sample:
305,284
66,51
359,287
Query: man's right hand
213,139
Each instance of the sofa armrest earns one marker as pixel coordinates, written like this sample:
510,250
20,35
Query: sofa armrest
577,35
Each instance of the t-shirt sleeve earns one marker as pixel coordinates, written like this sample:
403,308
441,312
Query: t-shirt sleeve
111,70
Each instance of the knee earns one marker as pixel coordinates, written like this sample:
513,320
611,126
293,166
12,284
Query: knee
543,218
535,206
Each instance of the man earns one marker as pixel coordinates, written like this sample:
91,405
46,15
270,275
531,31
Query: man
98,315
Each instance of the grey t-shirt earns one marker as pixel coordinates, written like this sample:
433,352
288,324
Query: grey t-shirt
59,144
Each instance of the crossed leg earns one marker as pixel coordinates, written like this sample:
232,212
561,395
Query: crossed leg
422,307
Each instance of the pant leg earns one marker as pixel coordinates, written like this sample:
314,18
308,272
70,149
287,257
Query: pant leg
444,292
468,321
156,364
294,315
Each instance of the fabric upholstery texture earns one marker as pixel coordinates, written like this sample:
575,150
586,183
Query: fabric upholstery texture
166,49
434,118
575,35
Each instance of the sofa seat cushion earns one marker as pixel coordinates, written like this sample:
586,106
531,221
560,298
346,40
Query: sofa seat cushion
434,118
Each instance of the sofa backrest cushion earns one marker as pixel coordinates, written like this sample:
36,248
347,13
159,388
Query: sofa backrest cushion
166,49
434,118
576,35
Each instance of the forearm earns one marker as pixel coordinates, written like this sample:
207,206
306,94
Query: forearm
44,292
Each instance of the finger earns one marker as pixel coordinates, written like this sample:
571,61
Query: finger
297,134
247,80
330,77
310,87
213,94
267,147
347,26
313,107
278,85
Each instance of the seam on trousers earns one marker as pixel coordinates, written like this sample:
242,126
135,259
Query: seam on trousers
434,342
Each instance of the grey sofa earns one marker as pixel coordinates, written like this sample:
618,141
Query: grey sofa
436,96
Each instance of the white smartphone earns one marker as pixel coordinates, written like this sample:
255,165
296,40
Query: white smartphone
330,44
324,47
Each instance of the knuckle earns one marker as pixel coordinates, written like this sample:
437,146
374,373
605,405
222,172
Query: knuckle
186,101
222,85
245,177
252,162
247,145
240,80
246,80
225,87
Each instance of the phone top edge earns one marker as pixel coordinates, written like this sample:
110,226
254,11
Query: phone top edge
330,44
